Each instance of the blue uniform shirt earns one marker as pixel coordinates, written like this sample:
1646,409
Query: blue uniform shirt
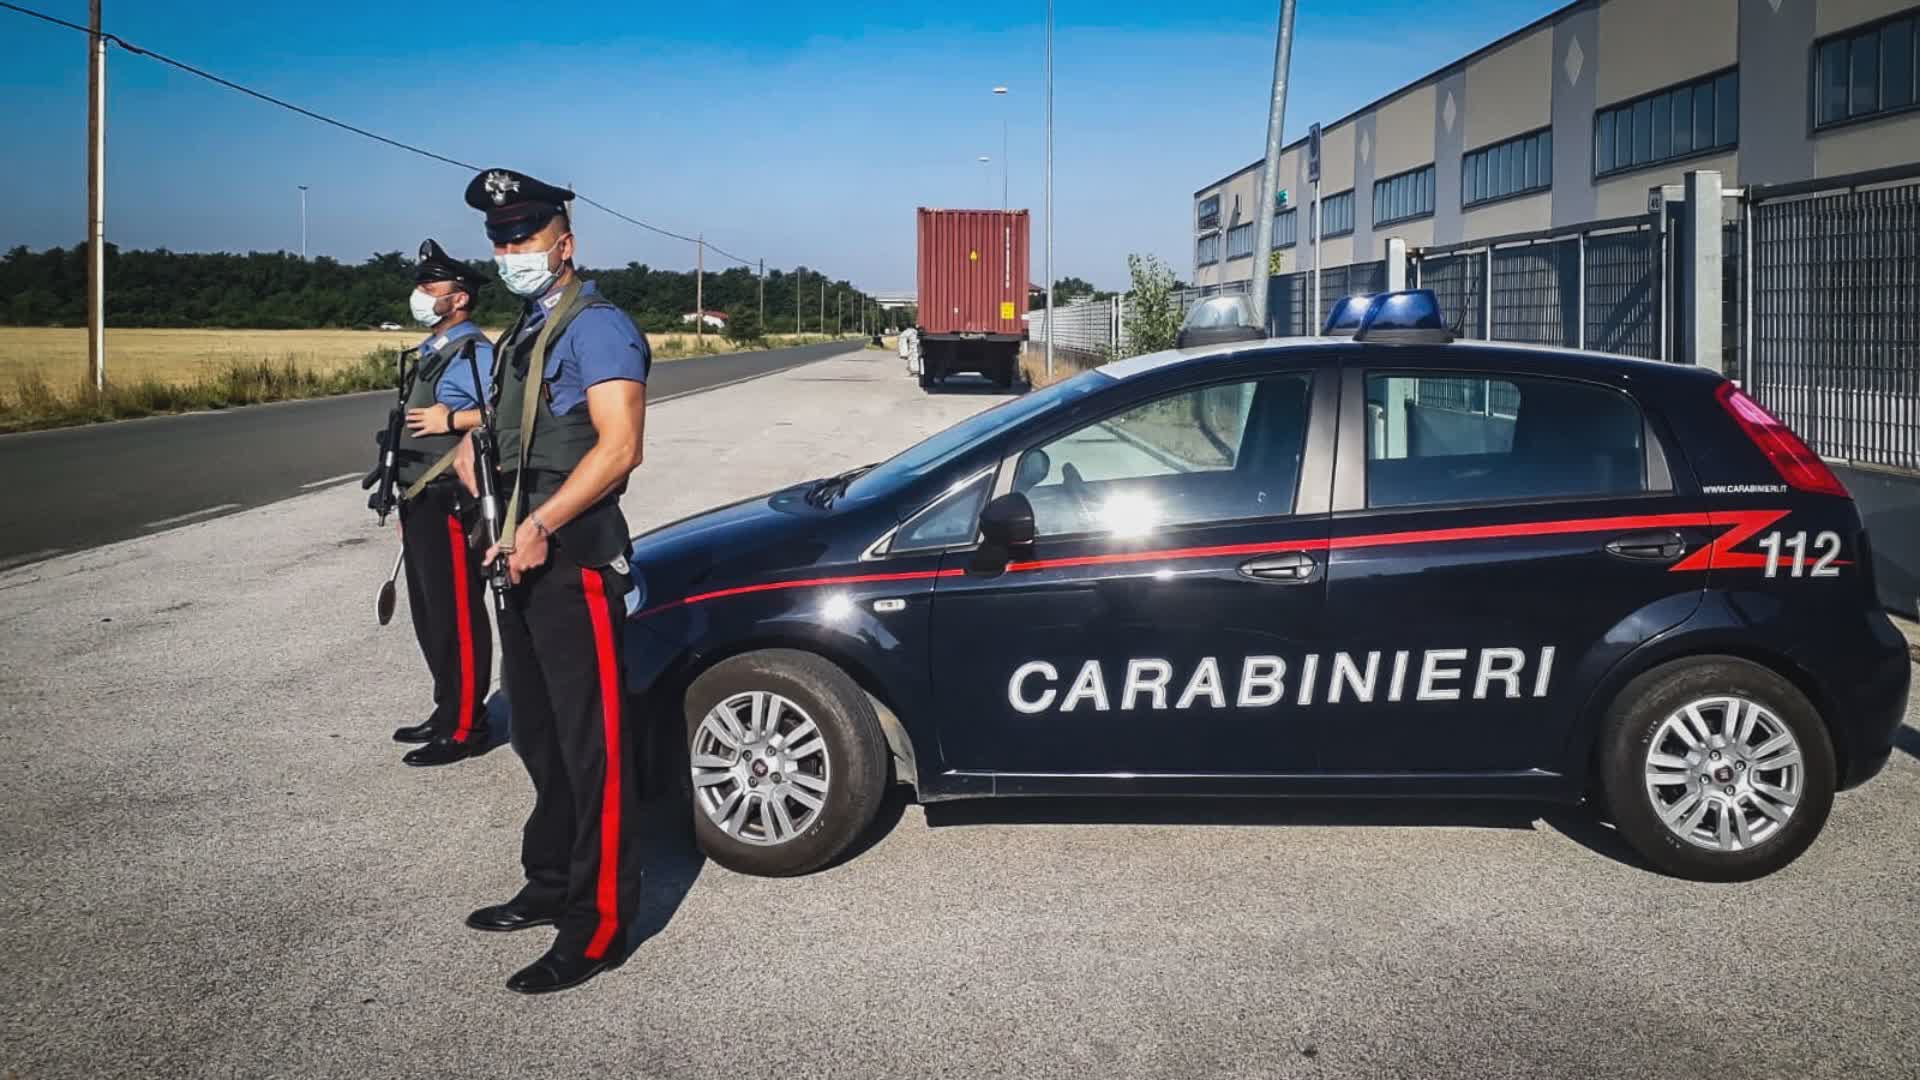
600,345
456,390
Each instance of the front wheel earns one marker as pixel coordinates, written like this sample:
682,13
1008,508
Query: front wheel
788,763
1716,769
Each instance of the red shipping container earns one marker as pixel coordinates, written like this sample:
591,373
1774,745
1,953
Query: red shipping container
973,273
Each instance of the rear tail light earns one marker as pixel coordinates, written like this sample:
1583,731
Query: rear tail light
1797,464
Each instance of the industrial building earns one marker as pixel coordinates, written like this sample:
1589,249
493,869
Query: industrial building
1573,119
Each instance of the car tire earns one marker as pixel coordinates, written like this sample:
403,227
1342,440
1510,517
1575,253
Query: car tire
1701,742
802,699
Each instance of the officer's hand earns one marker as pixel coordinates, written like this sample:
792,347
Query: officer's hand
529,551
435,419
464,469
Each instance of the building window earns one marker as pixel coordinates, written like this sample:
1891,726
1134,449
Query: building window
1518,166
1207,252
1240,241
1336,214
1698,117
1866,71
1403,197
1286,228
1209,213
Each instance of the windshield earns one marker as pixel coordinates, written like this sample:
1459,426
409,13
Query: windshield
924,457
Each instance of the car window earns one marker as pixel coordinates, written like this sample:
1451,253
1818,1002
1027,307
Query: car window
1477,438
949,521
1213,453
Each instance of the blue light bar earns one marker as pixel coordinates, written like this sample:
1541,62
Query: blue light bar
1347,314
1408,316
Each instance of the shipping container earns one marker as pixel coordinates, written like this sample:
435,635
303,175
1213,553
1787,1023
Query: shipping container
972,292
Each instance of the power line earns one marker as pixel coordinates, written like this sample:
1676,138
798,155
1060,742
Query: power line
341,124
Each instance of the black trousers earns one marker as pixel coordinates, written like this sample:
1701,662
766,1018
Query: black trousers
447,593
560,642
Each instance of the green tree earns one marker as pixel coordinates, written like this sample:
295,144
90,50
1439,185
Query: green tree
1153,306
743,327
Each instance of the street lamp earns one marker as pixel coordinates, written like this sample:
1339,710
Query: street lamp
303,222
1049,185
1005,162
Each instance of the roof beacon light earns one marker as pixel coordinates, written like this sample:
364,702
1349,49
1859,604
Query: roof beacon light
1408,317
1217,320
1345,317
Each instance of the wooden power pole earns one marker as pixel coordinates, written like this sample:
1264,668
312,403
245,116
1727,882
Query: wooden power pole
700,291
96,200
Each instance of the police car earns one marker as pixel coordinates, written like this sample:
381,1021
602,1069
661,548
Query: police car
1377,563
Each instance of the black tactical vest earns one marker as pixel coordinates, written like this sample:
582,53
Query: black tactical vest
416,452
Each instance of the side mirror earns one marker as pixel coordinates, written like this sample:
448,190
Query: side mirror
1005,524
1008,521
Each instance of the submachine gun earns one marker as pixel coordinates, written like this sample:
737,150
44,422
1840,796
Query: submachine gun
384,479
486,466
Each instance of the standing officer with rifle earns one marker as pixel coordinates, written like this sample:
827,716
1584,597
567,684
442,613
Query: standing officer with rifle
569,414
444,588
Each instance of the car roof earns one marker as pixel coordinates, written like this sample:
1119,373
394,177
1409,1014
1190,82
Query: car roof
1346,351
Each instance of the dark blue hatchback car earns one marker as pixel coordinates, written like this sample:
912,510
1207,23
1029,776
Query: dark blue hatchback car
1387,565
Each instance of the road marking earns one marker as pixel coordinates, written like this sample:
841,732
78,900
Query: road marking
178,518
309,486
12,561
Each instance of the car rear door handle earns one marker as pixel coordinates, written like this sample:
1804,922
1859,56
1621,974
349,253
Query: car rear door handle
1657,545
1287,568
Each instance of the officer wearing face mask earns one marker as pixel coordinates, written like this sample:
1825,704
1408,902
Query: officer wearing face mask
444,583
569,409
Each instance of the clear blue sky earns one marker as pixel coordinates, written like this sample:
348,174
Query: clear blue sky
794,132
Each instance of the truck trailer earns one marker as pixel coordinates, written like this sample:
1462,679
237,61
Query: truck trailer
973,293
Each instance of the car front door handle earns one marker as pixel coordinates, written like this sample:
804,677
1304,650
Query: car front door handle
1658,545
1287,568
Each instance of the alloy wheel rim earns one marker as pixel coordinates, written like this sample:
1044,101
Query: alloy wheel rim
1724,773
761,770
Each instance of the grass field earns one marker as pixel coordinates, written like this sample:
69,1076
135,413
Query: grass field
59,354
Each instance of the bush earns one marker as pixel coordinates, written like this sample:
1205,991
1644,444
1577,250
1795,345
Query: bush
1153,323
743,328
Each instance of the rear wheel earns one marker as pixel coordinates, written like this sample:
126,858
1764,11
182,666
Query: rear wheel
788,764
1717,769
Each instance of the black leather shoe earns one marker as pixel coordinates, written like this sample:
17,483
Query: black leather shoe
508,917
415,733
559,971
443,751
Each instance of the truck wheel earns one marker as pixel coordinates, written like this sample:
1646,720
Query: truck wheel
1716,769
788,763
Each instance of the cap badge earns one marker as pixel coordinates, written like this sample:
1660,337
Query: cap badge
498,185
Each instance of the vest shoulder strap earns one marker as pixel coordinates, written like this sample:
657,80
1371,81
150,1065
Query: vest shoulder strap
573,301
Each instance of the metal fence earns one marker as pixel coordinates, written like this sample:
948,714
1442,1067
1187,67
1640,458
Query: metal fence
1835,313
1289,295
1594,286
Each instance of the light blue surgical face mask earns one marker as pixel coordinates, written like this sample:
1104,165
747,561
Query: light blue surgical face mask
526,273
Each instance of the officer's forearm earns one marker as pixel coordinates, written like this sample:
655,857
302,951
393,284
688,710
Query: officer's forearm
465,420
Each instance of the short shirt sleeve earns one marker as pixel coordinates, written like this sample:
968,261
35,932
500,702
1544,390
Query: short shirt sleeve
456,390
600,345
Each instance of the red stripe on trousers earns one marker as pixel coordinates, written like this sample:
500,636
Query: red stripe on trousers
606,894
463,617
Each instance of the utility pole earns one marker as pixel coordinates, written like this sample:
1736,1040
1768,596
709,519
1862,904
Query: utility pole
823,307
1001,91
303,222
699,290
96,200
797,282
763,296
839,313
1049,270
1270,173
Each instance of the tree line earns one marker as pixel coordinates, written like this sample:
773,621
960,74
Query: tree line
281,291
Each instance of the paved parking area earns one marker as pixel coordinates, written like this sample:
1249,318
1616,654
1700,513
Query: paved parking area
213,864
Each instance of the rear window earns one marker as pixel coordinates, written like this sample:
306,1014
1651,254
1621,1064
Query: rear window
1468,438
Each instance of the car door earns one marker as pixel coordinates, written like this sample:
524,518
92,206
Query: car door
1175,567
1500,538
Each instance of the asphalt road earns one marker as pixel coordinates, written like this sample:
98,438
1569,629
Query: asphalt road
77,488
212,864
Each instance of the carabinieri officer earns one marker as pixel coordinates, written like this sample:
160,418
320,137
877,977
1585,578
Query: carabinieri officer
570,411
444,586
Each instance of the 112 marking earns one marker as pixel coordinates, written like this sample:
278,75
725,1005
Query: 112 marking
1826,546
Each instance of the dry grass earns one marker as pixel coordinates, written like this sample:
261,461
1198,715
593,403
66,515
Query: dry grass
182,357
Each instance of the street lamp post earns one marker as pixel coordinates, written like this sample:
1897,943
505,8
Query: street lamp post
1049,185
303,222
1005,163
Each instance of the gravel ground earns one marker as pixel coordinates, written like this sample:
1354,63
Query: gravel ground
213,864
